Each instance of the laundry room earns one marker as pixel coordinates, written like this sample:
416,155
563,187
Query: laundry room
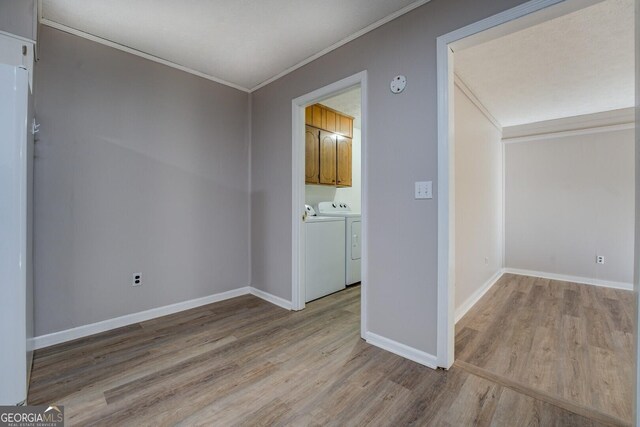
333,195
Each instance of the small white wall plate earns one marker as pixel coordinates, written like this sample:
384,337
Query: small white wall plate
398,84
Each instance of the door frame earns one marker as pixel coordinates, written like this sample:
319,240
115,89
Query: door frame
509,21
298,237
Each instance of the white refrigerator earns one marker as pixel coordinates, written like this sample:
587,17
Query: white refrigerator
16,161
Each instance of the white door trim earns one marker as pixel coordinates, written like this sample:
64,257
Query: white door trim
298,187
495,26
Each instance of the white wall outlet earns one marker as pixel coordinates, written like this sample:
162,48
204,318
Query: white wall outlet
486,260
136,280
424,190
600,259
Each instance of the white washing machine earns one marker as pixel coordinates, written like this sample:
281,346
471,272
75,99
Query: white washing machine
352,239
324,255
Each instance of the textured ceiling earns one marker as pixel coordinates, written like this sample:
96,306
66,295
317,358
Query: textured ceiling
242,42
576,64
347,103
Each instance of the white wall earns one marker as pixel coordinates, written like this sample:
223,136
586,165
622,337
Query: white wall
478,201
569,199
350,195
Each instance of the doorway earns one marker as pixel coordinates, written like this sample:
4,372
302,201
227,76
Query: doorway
507,23
299,211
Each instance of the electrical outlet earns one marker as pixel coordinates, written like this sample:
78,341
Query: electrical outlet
486,260
600,259
137,279
423,190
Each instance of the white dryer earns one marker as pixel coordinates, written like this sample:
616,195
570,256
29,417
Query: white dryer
324,255
352,241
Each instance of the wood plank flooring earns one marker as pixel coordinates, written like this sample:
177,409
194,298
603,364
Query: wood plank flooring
246,362
571,343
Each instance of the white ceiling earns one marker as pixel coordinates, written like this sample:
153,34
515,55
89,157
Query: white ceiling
576,64
244,43
347,103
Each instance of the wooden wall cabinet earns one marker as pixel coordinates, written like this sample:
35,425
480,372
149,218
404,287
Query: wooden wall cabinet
344,126
329,120
327,158
328,146
343,161
312,155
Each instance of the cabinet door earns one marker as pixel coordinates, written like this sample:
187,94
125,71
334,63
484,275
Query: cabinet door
312,155
345,126
316,116
343,149
327,158
329,120
308,115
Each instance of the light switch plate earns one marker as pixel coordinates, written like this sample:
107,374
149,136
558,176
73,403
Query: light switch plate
424,190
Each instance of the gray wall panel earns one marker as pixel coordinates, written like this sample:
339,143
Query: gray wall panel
139,168
402,148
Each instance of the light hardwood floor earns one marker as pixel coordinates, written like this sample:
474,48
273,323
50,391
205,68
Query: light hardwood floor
246,362
571,343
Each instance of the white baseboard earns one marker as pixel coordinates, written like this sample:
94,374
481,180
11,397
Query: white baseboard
54,338
280,302
402,350
479,293
575,279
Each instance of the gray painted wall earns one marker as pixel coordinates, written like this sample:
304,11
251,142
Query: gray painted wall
18,17
139,168
636,263
402,148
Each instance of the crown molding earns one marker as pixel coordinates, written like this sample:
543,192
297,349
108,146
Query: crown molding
606,121
106,42
171,64
342,42
17,37
466,90
567,133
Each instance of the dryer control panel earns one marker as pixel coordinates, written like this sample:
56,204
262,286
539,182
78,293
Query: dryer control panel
333,207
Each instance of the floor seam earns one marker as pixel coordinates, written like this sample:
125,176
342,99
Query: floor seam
561,403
